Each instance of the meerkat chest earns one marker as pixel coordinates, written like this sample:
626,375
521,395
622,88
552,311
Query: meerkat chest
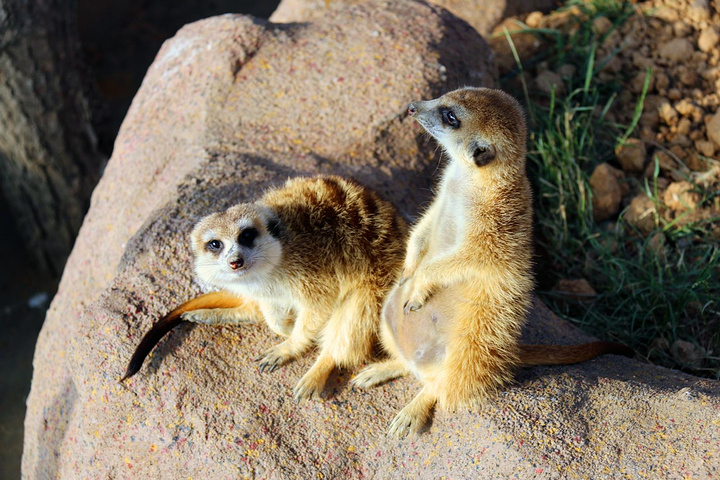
450,222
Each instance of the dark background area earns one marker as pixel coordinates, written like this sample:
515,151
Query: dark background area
120,41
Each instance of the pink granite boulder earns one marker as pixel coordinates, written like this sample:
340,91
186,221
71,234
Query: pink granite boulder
482,15
230,106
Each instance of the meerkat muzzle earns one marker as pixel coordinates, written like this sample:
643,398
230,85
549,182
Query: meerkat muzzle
237,263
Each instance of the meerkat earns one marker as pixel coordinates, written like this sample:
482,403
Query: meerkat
455,316
315,259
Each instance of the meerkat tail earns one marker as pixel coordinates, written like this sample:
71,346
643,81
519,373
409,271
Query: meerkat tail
171,320
568,354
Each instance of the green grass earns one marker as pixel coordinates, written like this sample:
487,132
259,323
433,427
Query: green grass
653,289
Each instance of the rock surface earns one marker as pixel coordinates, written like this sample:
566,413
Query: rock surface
209,130
483,15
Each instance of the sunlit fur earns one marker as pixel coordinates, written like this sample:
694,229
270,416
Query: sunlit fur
467,274
326,254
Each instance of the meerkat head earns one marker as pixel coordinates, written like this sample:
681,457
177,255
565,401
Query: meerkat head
236,245
479,126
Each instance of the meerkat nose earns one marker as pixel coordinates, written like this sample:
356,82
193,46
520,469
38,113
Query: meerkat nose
237,263
412,110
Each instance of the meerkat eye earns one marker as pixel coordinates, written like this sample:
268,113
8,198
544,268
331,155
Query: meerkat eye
214,245
247,237
449,118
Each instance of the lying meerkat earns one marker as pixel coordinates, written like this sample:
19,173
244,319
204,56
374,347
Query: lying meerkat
455,317
314,258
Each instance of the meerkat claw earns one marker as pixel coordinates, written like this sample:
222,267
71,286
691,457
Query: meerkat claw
269,363
411,306
402,425
305,391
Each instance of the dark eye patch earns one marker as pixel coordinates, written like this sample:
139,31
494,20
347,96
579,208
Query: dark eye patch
274,227
247,237
449,118
214,246
482,154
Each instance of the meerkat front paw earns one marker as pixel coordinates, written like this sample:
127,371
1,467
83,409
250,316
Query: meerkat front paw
411,306
419,296
273,359
406,274
416,302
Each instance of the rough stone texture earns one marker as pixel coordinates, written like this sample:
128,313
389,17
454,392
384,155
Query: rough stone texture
606,191
483,15
209,130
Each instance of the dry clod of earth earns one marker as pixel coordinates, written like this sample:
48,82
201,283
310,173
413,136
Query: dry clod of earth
631,155
709,39
676,50
641,213
679,196
713,129
607,193
687,353
578,289
548,81
231,106
482,15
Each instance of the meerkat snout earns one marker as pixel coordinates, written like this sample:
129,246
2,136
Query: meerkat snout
237,263
412,109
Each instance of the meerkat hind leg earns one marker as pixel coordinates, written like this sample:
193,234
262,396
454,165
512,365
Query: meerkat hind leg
380,372
414,416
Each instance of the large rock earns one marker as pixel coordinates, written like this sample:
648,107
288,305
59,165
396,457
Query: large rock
483,15
233,105
254,103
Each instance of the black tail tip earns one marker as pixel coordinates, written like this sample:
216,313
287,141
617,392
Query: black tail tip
132,369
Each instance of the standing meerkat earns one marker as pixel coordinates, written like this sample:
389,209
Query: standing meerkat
314,258
455,317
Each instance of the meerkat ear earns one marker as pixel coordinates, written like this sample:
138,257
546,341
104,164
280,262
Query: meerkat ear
483,154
